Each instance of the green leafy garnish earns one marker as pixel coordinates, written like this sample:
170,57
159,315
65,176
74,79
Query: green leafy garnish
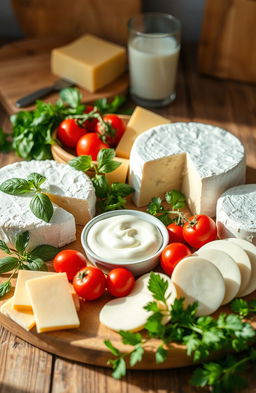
5,143
105,106
176,200
202,336
23,258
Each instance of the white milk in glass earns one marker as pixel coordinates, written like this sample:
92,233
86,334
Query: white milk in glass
153,63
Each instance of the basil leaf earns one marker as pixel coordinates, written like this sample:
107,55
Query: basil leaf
44,252
7,264
109,166
105,155
21,241
101,186
37,264
15,186
36,179
4,247
122,189
71,96
81,163
41,207
5,288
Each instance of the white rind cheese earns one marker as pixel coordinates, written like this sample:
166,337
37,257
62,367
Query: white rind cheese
70,189
236,213
199,159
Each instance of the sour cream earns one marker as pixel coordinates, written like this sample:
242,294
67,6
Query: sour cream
124,238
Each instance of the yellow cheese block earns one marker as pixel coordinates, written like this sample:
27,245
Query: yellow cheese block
120,174
140,121
75,297
52,303
21,299
22,318
89,61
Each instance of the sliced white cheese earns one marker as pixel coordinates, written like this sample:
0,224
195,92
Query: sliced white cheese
240,257
128,313
198,280
228,268
250,249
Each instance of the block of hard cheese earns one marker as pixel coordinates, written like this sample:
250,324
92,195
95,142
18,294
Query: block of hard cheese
21,299
120,174
89,62
52,303
22,318
140,121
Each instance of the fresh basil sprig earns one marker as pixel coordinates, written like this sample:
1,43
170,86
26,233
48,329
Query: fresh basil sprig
22,258
202,336
40,204
110,196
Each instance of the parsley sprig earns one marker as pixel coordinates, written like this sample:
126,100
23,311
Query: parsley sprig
21,258
176,200
202,336
40,204
109,196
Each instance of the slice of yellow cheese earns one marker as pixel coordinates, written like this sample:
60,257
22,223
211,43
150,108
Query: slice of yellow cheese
52,303
22,318
89,61
140,121
120,174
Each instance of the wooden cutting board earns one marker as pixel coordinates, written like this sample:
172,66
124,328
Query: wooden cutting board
25,67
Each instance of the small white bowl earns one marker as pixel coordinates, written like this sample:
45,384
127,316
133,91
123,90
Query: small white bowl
136,267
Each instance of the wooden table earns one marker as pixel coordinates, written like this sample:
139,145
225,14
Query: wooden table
25,369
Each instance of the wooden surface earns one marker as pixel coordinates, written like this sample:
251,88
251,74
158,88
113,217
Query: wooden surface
228,41
107,19
25,67
27,369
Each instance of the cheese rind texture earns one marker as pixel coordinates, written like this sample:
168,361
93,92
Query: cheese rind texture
199,159
52,303
89,61
236,213
140,121
70,189
24,319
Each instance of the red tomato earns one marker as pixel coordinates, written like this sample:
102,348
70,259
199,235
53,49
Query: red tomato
175,233
90,283
172,254
69,132
200,230
70,262
120,282
90,144
90,124
117,126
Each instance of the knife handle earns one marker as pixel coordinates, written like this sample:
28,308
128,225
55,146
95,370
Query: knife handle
31,98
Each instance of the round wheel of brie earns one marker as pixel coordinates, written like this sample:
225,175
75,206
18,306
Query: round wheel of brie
199,159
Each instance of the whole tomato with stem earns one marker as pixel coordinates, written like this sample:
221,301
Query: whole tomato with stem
111,130
172,255
69,262
69,132
120,282
90,283
90,144
199,230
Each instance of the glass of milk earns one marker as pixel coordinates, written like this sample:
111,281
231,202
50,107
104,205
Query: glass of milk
153,50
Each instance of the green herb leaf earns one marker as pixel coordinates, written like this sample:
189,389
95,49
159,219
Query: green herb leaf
161,354
152,306
36,179
155,206
15,186
122,189
7,264
104,106
41,207
130,338
157,286
81,163
5,287
112,349
176,199
4,247
105,160
37,264
119,368
136,355
243,307
101,186
21,241
5,143
71,96
44,252
207,375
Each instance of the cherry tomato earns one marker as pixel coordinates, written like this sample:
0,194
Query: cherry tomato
90,283
200,230
69,132
90,124
70,262
120,282
117,126
175,233
172,254
90,144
